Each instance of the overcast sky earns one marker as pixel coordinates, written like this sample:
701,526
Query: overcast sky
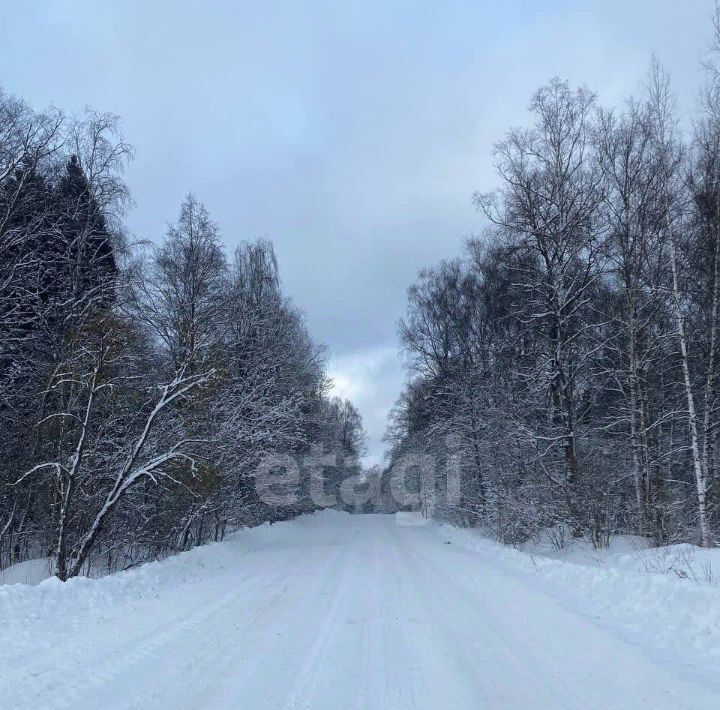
350,133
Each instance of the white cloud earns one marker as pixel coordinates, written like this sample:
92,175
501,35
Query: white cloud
372,380
350,133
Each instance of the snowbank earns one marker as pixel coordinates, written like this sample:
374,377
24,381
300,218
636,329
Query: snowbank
665,599
30,592
635,554
28,572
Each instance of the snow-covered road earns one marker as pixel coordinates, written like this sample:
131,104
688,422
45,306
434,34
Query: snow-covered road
328,611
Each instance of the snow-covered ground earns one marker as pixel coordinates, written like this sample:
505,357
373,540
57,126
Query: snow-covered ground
333,610
634,554
28,572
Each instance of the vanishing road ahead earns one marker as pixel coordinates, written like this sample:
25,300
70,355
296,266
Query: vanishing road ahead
328,611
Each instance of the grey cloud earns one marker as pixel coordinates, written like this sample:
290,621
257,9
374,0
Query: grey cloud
352,134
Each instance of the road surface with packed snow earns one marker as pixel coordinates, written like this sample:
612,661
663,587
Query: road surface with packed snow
329,611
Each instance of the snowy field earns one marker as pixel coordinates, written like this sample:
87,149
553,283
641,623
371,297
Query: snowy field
333,610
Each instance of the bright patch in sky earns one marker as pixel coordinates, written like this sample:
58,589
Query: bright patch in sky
372,380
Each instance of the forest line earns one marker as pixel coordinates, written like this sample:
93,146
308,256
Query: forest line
140,384
568,359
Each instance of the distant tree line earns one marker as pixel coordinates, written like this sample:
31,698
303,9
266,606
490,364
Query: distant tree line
570,358
140,386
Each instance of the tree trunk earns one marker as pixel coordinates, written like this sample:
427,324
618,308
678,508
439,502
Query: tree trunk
700,478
